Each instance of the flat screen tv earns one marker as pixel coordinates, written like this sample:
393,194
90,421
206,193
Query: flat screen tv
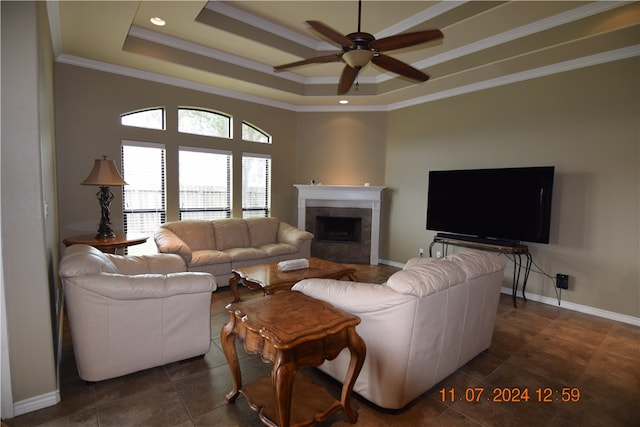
508,204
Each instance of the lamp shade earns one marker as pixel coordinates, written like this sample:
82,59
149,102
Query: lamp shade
104,173
357,58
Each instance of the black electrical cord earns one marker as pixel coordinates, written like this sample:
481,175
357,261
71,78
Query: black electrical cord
539,270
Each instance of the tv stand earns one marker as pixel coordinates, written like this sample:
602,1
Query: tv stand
513,249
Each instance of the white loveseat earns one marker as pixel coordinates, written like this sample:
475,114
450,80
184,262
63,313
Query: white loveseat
129,313
420,326
222,245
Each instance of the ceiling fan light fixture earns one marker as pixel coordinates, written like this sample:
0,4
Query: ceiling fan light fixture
357,58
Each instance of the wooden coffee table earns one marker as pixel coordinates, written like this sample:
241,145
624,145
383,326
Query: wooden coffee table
267,278
292,330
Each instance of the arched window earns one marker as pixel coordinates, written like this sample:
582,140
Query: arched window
152,118
204,122
254,134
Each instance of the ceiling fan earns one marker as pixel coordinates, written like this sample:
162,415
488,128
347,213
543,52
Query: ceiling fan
359,48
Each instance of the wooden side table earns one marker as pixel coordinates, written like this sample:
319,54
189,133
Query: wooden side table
109,245
291,330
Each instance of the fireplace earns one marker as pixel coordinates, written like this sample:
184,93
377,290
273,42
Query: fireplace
344,219
341,234
338,229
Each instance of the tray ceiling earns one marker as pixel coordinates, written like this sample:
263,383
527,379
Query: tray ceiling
231,47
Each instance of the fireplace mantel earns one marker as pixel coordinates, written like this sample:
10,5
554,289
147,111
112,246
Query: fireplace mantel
344,196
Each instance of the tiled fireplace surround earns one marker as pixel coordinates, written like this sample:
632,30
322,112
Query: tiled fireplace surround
342,201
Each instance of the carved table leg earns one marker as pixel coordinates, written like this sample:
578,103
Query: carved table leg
227,340
234,281
358,352
282,377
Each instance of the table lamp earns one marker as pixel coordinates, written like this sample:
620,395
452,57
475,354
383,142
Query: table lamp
104,174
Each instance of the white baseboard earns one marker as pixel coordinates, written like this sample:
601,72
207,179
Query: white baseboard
391,263
37,402
635,321
553,301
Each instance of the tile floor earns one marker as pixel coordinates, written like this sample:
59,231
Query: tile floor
534,346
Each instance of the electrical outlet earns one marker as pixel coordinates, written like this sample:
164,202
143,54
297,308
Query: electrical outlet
421,252
562,281
438,254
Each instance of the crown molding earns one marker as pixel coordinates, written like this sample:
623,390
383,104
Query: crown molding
600,58
269,26
560,67
172,81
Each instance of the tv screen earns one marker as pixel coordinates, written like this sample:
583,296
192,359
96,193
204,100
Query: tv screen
508,204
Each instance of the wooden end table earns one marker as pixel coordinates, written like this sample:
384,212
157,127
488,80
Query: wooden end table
268,279
290,330
109,244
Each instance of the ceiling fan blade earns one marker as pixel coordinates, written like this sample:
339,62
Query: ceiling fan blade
399,67
317,60
405,40
330,33
346,79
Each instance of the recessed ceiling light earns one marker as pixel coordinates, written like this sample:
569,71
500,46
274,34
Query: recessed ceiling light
343,101
156,20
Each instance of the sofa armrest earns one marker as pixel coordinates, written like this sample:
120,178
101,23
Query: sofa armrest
144,286
148,264
169,242
353,297
294,236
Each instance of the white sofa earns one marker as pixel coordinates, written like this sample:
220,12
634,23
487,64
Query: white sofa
420,326
221,245
129,313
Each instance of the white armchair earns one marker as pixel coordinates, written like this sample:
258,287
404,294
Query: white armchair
129,313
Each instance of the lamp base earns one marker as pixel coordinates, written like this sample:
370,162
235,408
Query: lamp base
105,235
104,196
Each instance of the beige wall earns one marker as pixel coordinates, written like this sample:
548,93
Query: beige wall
88,108
583,122
341,148
28,231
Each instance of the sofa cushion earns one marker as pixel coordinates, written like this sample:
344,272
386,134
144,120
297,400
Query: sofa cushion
475,263
80,260
148,264
427,277
245,254
209,256
262,231
355,297
231,233
277,249
198,233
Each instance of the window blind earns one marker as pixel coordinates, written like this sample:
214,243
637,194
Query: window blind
144,206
